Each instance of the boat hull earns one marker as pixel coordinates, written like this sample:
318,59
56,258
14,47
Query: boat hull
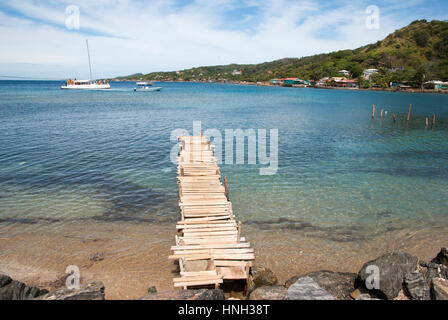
148,89
87,87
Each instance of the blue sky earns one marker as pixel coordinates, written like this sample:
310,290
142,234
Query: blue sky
129,36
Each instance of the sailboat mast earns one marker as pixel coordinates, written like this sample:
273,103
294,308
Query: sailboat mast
88,55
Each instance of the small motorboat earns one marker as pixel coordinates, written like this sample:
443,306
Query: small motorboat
146,86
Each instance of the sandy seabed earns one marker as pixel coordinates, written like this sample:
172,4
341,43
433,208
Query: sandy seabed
131,257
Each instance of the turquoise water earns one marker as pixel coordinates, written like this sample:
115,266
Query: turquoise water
72,155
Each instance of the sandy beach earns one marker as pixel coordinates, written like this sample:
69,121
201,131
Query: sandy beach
129,257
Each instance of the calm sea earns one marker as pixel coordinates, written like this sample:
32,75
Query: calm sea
105,156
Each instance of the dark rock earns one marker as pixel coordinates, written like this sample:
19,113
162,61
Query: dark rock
439,289
307,289
442,257
211,294
433,270
416,286
16,290
89,291
261,276
99,256
234,285
152,289
4,280
268,293
200,294
392,269
338,284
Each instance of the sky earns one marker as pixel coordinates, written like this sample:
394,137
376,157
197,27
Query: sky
43,39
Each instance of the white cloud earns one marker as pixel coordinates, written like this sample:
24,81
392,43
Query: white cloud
143,36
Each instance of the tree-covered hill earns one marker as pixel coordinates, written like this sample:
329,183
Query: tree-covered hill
418,51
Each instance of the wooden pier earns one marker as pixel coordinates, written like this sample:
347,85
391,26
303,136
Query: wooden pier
209,245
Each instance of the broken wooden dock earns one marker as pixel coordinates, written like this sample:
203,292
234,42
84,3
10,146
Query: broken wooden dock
209,246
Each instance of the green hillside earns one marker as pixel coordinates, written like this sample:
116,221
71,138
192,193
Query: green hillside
418,51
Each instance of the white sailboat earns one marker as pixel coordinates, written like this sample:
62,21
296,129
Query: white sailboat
86,84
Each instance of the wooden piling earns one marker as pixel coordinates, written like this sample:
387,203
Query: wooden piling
433,119
381,114
427,121
394,117
373,111
226,188
409,112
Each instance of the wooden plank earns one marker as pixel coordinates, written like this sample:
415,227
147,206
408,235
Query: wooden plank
198,278
197,283
213,251
211,229
210,234
228,263
216,256
212,246
232,273
205,225
206,219
198,273
208,241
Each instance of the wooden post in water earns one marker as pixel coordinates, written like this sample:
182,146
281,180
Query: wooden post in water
394,117
409,112
427,121
381,113
226,188
433,119
373,112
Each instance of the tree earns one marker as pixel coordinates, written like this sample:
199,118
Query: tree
419,77
355,69
421,38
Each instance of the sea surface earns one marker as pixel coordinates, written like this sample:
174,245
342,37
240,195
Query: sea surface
104,156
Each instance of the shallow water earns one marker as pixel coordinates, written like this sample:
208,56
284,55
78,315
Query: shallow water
103,157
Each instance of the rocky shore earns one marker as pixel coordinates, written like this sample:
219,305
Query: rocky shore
392,276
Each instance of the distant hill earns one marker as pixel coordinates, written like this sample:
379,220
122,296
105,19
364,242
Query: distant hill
418,51
131,76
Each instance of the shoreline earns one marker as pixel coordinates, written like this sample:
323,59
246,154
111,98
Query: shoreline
129,258
243,83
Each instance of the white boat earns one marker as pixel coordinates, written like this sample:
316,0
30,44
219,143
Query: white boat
146,86
86,84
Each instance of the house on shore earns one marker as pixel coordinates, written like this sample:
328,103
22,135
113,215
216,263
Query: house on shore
368,73
346,73
293,81
436,85
288,82
343,82
322,82
277,82
237,72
